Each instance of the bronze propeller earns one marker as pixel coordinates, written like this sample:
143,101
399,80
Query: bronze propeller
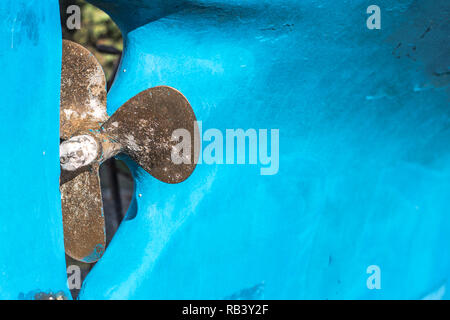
142,128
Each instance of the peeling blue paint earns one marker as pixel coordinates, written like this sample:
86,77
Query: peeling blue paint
96,253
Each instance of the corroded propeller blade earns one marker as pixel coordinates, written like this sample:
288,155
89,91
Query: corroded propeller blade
82,208
144,126
83,91
82,107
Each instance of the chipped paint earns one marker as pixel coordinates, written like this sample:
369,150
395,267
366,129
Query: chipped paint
437,294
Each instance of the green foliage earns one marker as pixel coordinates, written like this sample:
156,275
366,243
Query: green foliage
97,28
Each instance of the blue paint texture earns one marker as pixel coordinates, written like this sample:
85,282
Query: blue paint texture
31,234
364,174
364,158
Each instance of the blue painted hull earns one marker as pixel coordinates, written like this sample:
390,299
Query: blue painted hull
364,162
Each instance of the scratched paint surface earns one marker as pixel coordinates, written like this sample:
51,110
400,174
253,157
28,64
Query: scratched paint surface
364,158
31,234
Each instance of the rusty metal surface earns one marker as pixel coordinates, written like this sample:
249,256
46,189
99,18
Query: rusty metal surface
144,127
141,128
82,208
82,109
83,91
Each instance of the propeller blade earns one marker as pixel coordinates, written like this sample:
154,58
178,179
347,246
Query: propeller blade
82,209
144,126
83,91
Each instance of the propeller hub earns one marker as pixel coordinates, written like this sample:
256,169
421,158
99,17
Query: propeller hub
78,152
